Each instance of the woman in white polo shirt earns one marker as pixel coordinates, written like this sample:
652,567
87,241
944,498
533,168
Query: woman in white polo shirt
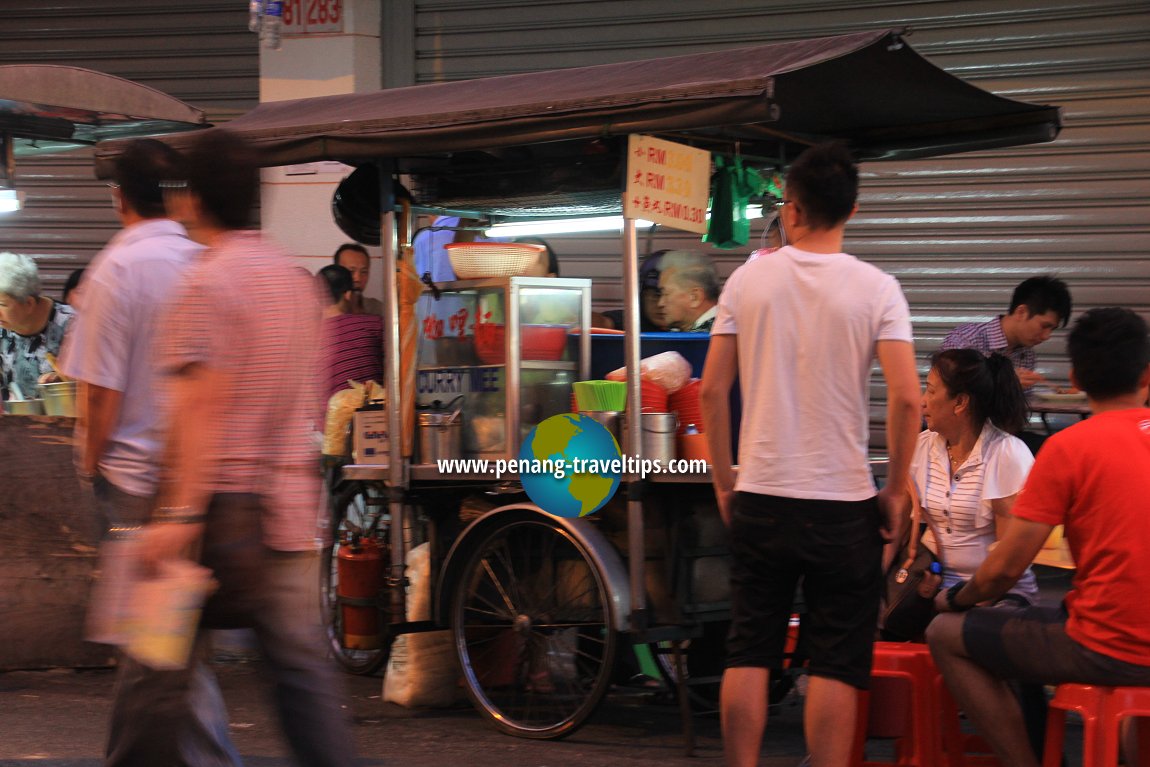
968,467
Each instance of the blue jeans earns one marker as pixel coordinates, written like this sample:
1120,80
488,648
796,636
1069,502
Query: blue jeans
282,605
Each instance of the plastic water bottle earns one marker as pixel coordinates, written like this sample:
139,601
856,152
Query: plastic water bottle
255,10
273,24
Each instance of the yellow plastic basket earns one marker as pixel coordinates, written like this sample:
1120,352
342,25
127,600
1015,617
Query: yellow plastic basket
475,260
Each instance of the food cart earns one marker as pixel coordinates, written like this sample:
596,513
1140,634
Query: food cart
538,604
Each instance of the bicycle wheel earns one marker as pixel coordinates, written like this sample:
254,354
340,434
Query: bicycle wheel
703,663
358,513
533,628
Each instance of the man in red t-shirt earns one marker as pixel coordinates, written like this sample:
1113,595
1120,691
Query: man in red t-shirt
1094,478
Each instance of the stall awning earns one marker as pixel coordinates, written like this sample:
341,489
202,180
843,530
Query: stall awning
869,89
47,108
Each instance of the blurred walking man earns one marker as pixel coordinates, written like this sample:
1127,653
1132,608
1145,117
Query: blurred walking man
801,328
110,350
241,355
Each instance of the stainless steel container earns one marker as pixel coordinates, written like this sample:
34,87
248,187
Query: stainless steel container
59,398
609,419
24,407
658,436
440,437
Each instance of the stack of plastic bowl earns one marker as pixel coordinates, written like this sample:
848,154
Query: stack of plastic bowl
685,403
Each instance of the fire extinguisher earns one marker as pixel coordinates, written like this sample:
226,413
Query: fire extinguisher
360,571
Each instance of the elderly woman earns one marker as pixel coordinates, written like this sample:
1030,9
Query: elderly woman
31,326
967,469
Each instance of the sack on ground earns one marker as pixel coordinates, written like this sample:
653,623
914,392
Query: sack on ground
423,669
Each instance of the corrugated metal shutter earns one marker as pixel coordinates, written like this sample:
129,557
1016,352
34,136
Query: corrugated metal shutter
199,52
959,232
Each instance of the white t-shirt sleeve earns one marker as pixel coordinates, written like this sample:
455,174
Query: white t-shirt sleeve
725,316
920,463
894,313
1007,468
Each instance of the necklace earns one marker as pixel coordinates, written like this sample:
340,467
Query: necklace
954,456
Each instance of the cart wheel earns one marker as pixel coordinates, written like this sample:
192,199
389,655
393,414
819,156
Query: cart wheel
357,510
533,628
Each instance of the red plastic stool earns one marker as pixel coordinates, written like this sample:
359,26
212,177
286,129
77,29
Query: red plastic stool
1102,710
911,663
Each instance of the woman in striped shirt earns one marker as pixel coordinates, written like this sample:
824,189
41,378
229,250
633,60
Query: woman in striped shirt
353,343
968,467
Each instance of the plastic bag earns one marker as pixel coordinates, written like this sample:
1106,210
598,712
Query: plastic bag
423,669
670,370
341,409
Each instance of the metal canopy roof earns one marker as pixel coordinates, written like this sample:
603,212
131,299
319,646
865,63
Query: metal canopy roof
47,108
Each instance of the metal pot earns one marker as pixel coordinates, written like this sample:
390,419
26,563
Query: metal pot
59,398
24,406
440,436
658,435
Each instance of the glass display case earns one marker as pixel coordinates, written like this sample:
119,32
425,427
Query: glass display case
505,351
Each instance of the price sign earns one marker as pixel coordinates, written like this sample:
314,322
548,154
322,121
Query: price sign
304,17
667,183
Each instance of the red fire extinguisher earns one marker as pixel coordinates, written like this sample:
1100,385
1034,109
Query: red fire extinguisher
360,571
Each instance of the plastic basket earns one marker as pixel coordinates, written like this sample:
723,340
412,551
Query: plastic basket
476,260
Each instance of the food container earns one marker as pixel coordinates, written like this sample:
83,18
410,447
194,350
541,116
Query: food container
440,437
476,260
24,407
536,342
59,398
610,419
658,436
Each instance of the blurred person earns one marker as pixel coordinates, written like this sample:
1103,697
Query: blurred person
688,290
801,329
119,432
32,326
1037,307
241,355
353,257
352,343
1092,478
70,294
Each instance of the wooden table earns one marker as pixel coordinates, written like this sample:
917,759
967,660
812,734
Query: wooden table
49,533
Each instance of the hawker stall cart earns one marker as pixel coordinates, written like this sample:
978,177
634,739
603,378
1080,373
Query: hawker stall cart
538,604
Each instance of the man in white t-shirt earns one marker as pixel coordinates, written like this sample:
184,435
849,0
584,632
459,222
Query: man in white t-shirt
801,328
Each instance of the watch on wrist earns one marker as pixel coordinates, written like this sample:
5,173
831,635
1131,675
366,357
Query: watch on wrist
952,595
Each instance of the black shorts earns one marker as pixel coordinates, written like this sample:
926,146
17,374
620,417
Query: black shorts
836,549
1030,644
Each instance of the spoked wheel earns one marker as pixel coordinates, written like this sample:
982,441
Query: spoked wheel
358,520
533,628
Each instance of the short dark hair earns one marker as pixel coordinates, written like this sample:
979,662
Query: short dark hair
1041,295
824,180
71,283
140,171
1109,351
348,246
337,280
990,382
224,174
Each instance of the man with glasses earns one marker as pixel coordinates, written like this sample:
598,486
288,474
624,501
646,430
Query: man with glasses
801,329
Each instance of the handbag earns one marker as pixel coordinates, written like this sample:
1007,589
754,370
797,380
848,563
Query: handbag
906,611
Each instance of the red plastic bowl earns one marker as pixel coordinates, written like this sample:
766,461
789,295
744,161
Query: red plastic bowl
536,342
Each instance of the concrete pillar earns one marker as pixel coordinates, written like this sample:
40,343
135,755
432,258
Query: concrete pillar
296,201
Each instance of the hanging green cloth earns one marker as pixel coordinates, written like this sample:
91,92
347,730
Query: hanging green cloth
732,186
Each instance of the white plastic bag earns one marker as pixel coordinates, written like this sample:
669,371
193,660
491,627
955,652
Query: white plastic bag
670,370
423,669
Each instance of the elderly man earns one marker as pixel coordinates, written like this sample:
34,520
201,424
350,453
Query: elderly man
241,353
688,290
1093,478
1037,307
353,257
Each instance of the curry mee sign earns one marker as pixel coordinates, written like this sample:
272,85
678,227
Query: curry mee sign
667,183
